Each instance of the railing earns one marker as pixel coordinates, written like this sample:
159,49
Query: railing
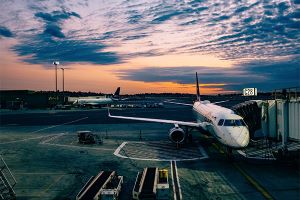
287,93
5,167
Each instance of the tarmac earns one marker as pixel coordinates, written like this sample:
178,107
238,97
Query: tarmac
41,149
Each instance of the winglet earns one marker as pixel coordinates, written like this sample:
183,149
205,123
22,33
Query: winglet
197,88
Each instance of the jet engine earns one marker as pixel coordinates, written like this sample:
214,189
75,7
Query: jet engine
177,135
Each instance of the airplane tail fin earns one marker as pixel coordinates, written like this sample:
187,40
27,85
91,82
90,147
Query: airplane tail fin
197,88
117,92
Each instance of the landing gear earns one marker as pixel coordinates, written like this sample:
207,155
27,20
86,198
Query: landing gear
189,136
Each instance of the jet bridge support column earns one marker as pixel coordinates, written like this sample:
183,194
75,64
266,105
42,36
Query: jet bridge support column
282,121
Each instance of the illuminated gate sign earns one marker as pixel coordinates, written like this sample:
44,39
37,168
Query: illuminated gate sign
250,92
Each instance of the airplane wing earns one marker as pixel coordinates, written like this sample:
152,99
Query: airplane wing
184,104
219,102
182,123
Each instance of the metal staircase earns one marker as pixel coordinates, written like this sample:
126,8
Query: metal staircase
7,182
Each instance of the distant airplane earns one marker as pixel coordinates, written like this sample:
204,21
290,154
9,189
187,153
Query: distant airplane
99,102
222,123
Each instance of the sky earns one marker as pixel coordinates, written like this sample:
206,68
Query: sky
150,46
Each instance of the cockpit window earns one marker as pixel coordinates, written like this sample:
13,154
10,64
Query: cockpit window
221,122
240,122
234,122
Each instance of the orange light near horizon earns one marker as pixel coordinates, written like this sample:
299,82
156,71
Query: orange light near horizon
171,87
18,75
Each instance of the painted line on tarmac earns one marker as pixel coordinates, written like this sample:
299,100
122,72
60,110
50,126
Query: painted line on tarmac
203,152
218,148
251,180
117,153
175,181
59,125
33,138
76,147
52,138
255,157
40,173
51,184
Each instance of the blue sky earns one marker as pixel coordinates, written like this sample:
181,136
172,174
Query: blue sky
232,44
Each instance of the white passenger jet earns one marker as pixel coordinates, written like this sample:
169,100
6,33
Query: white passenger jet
99,102
222,123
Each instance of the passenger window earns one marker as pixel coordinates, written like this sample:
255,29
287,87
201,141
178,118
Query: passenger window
221,122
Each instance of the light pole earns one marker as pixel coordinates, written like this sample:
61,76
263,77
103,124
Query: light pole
56,63
63,82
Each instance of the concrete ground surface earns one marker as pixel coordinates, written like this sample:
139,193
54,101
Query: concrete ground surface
41,150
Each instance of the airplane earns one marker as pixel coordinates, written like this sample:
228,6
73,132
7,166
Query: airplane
222,123
99,102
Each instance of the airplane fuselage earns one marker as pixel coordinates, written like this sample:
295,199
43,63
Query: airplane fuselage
226,126
94,101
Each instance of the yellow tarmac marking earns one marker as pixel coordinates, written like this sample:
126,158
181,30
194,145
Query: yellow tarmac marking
251,180
254,183
218,148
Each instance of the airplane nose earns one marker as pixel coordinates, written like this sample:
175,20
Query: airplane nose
244,138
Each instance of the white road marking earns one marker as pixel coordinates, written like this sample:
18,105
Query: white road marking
173,181
179,187
52,138
117,153
203,152
39,173
60,124
47,142
76,147
254,157
33,138
242,153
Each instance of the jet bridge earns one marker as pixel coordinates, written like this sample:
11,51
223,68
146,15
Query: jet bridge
250,112
276,124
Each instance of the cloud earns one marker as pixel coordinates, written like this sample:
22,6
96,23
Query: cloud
234,30
231,29
53,21
56,16
53,44
5,32
166,17
134,37
265,75
42,49
54,30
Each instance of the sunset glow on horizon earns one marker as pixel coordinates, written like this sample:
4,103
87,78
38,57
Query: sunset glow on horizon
150,47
